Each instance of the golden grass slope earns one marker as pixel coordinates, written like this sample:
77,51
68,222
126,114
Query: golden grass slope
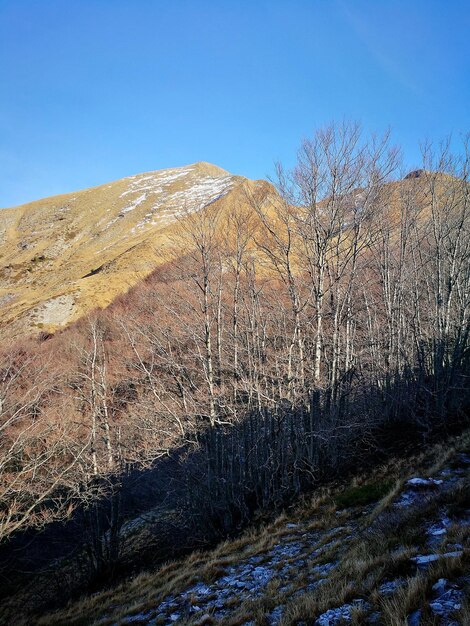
62,256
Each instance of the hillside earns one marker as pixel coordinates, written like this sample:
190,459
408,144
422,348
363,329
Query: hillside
389,549
62,256
279,343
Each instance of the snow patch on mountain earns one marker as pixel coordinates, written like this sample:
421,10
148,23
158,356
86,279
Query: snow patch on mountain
169,194
203,192
156,181
135,204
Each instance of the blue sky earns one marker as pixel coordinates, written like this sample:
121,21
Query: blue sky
91,91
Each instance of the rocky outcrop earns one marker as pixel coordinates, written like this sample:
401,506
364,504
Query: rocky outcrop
307,556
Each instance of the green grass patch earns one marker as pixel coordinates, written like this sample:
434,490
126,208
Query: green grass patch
363,495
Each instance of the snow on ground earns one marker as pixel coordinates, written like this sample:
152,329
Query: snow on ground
155,181
316,553
203,191
169,194
135,204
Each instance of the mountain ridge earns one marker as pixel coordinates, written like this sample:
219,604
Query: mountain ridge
203,165
54,249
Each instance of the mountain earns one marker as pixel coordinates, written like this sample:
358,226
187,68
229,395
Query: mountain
277,345
62,256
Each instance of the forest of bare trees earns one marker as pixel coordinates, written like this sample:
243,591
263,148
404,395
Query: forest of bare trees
321,321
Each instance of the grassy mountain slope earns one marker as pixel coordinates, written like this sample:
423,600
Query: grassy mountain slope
62,256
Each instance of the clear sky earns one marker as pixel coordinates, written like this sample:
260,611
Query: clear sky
94,90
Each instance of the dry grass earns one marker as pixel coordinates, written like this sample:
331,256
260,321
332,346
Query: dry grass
380,550
52,243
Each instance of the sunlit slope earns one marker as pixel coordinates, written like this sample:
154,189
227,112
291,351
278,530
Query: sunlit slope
62,256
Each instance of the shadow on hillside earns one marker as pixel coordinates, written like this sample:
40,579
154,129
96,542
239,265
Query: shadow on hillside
201,493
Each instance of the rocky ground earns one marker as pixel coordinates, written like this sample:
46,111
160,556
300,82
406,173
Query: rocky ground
301,549
377,552
306,556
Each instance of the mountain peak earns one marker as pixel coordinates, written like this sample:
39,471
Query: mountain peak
209,169
63,255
